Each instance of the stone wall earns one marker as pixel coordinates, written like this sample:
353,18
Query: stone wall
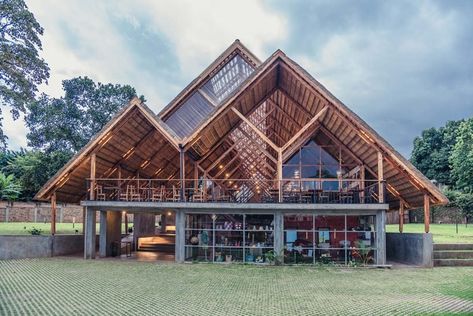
410,248
39,212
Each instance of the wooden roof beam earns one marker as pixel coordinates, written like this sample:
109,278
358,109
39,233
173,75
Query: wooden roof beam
256,130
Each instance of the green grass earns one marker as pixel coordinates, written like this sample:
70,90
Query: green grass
442,233
58,286
19,228
13,228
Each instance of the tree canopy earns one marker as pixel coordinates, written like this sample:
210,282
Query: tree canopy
69,122
431,153
21,68
461,158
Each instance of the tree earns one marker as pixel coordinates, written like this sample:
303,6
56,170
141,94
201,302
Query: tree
33,168
69,122
461,158
21,68
431,152
9,189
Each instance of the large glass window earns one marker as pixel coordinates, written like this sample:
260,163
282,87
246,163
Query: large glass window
310,238
229,237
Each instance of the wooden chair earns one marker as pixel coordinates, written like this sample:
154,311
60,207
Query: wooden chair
176,196
158,195
133,193
198,196
100,196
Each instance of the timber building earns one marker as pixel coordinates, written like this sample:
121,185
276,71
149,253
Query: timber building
252,159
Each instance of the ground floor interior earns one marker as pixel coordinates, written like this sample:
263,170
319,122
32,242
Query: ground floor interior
242,235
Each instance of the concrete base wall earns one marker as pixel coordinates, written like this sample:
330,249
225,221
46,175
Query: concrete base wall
414,249
18,247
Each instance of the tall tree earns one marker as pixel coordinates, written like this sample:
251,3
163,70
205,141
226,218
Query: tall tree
461,158
21,68
32,169
69,122
432,150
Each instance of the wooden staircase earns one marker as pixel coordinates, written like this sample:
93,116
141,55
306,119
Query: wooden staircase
162,243
453,255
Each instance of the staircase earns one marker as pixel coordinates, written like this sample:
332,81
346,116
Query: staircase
162,243
453,255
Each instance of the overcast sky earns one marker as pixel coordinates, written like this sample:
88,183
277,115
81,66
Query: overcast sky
403,66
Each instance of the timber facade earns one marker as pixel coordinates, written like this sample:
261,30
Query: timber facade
252,160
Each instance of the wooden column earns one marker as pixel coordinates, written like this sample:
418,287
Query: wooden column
279,174
182,173
427,213
380,177
93,158
196,175
53,214
401,216
362,183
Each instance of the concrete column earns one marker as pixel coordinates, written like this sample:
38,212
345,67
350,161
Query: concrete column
110,231
278,233
180,236
7,213
90,233
35,213
381,237
103,244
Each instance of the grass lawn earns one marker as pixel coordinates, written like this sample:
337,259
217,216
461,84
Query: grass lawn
61,228
442,233
69,286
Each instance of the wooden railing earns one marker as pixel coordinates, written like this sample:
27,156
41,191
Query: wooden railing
327,191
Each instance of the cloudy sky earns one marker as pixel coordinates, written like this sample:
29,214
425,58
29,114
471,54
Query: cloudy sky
402,66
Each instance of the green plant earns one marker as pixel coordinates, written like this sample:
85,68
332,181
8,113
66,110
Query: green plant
9,189
363,253
35,231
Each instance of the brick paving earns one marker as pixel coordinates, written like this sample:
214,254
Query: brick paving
71,286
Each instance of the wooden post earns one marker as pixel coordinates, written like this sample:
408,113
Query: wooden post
279,174
182,170
196,176
92,176
401,216
427,213
53,214
380,178
362,183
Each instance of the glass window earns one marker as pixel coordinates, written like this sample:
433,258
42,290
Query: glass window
227,79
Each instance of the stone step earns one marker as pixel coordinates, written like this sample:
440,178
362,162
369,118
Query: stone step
453,247
453,262
453,254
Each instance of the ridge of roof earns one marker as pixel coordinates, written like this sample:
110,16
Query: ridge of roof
235,47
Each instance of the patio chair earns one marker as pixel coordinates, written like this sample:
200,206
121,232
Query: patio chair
176,196
133,194
198,196
100,195
158,195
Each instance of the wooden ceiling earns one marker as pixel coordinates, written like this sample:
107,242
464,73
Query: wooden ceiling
280,99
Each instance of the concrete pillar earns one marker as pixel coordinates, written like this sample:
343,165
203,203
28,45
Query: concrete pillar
7,212
110,231
278,233
90,234
35,212
180,236
381,237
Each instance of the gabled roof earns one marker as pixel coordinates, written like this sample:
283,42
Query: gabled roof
278,93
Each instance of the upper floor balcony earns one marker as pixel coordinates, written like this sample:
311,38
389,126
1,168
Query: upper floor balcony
321,191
